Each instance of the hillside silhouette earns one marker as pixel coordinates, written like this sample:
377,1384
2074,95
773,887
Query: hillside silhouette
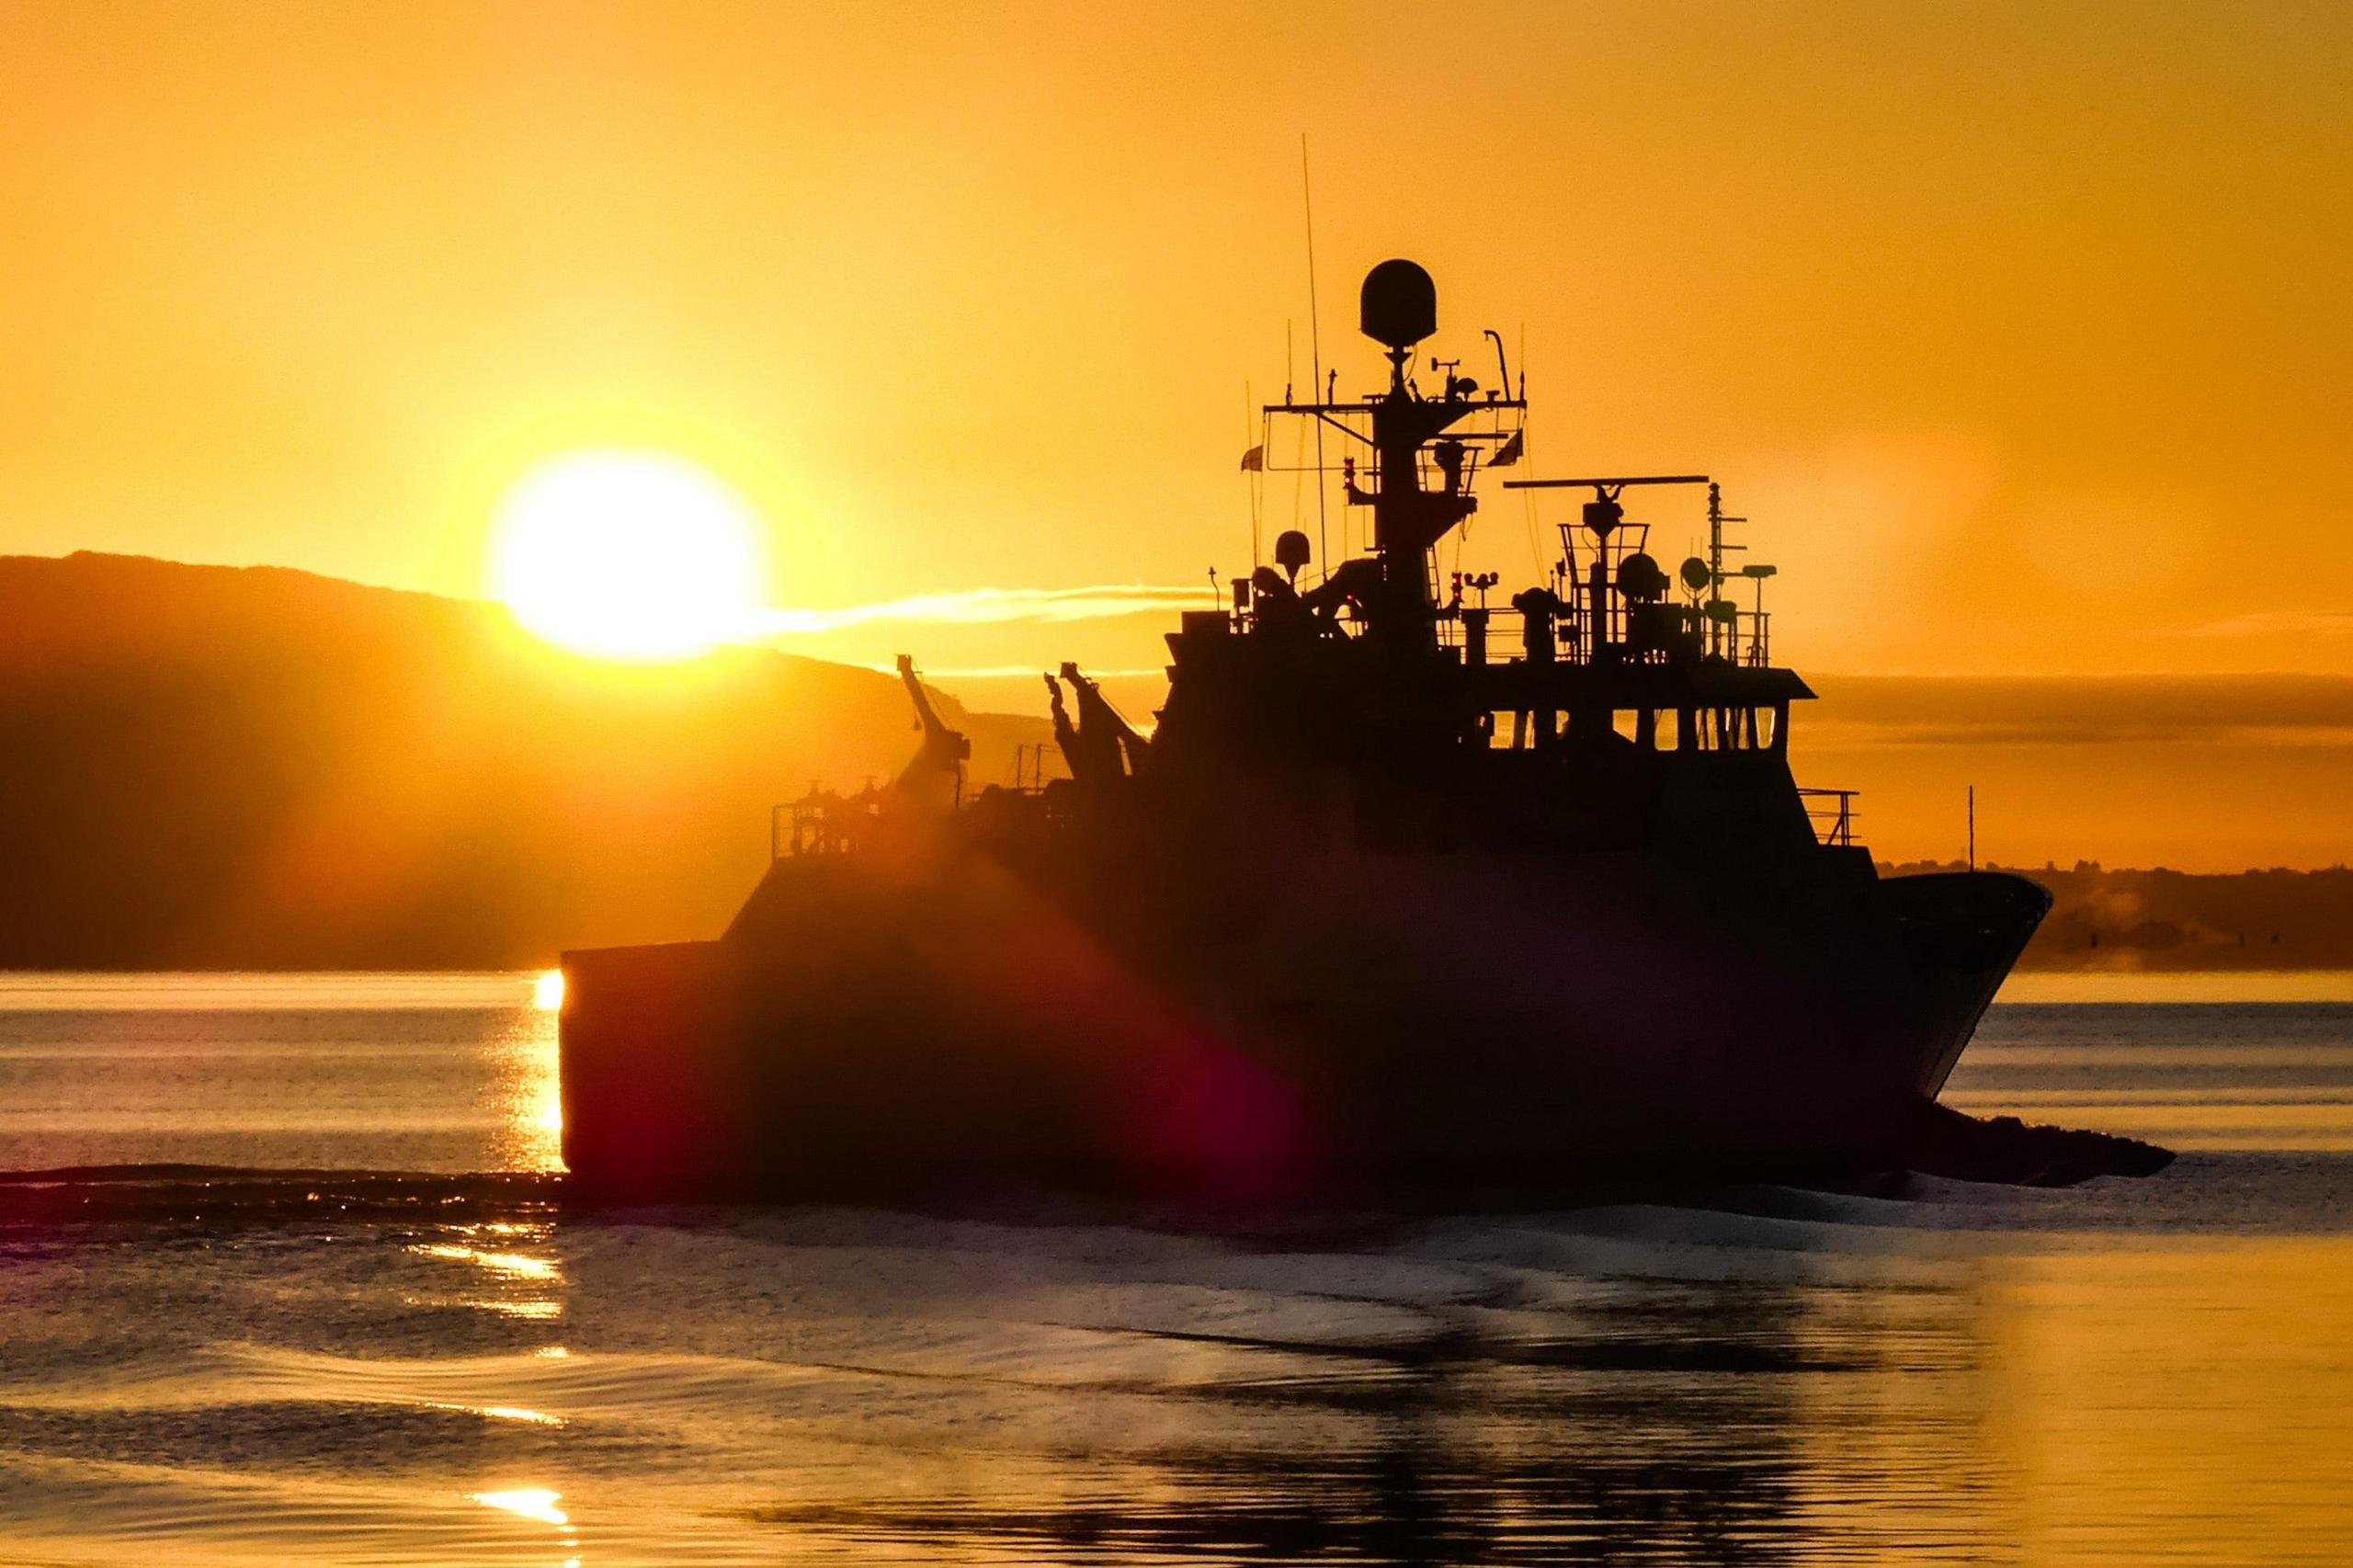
213,767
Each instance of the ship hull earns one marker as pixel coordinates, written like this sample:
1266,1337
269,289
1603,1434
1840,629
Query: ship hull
915,1027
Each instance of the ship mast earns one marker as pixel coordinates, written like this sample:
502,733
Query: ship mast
1398,309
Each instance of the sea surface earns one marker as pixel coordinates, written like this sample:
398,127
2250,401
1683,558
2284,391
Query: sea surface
297,1286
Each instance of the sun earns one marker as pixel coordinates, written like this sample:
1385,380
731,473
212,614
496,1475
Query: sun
627,555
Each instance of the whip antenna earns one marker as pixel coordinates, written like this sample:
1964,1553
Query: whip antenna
1315,354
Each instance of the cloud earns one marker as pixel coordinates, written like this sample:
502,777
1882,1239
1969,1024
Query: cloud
1979,711
1021,672
2278,623
986,606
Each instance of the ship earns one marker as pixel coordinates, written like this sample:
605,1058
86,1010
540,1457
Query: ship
1409,887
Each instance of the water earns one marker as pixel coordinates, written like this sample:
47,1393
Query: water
329,1367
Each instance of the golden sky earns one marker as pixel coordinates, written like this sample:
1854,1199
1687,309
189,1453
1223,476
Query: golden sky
2022,331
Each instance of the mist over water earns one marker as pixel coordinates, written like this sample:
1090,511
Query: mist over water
296,1360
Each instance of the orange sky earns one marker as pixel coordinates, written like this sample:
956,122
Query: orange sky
2022,331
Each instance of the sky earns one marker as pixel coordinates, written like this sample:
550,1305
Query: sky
2021,332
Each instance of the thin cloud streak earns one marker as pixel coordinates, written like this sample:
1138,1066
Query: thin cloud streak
986,606
1018,672
2269,623
2073,711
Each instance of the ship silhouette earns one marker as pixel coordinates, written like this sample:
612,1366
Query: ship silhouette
1402,891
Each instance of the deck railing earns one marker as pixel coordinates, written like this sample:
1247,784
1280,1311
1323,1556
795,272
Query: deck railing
1832,813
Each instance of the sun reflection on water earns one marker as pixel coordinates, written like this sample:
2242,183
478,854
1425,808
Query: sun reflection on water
530,1087
525,1501
514,1264
536,1503
510,1280
500,1412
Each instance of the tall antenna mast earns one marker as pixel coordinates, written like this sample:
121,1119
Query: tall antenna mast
1717,517
1257,482
1316,353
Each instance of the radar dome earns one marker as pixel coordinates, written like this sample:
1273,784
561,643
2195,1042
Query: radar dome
1399,305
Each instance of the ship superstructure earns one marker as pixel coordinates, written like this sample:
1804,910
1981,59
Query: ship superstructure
1405,886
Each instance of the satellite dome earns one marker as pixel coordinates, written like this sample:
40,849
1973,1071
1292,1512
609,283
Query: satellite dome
1291,551
1399,305
1640,579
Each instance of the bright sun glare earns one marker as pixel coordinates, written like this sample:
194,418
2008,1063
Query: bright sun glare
627,555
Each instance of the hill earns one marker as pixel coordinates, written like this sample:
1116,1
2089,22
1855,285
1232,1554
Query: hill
215,766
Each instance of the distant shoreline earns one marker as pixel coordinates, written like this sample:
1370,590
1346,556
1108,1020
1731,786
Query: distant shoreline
2160,921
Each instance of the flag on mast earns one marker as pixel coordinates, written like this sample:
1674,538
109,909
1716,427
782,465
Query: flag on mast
1255,460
